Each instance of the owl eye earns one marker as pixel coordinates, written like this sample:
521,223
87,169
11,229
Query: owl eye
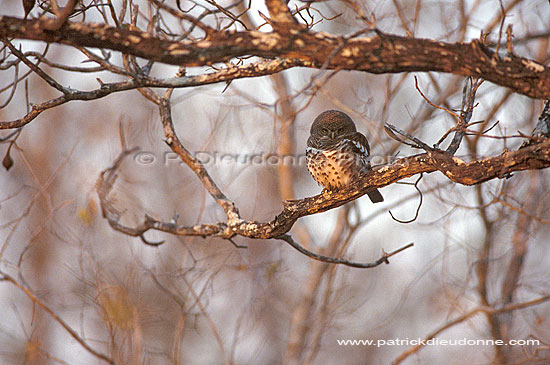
325,131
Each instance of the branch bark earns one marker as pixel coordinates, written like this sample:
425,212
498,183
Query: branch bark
466,173
256,69
379,53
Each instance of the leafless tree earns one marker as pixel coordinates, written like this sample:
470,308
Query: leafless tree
173,224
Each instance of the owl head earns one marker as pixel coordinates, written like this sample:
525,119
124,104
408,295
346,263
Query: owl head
332,125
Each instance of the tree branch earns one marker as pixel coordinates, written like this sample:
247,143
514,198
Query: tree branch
256,69
466,173
198,168
334,260
279,12
464,317
542,129
66,327
379,53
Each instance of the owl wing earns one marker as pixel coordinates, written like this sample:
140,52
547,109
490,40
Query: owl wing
360,142
358,145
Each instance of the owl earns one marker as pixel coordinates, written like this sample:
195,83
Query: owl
336,153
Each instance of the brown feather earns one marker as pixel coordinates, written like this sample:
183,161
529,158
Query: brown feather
337,154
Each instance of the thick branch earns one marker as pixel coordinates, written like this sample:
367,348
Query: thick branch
467,173
279,12
379,53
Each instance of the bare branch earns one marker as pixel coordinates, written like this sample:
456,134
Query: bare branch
234,72
542,129
334,260
280,13
70,331
466,112
175,144
417,208
467,173
462,318
61,16
35,68
379,53
395,133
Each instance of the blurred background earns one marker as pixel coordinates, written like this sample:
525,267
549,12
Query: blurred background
204,301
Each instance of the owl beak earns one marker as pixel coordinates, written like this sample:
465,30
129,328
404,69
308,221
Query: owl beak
332,135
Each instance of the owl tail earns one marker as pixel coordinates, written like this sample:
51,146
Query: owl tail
375,196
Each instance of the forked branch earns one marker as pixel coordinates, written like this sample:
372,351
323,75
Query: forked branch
532,157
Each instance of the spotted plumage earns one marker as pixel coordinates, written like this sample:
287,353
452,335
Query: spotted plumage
336,153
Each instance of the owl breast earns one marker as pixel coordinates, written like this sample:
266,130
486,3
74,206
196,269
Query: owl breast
333,169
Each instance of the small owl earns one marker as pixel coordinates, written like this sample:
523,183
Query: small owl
336,153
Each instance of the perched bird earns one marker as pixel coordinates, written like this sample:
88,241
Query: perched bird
336,153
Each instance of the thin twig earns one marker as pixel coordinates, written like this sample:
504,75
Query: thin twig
394,131
335,260
462,318
430,102
466,112
417,208
72,333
